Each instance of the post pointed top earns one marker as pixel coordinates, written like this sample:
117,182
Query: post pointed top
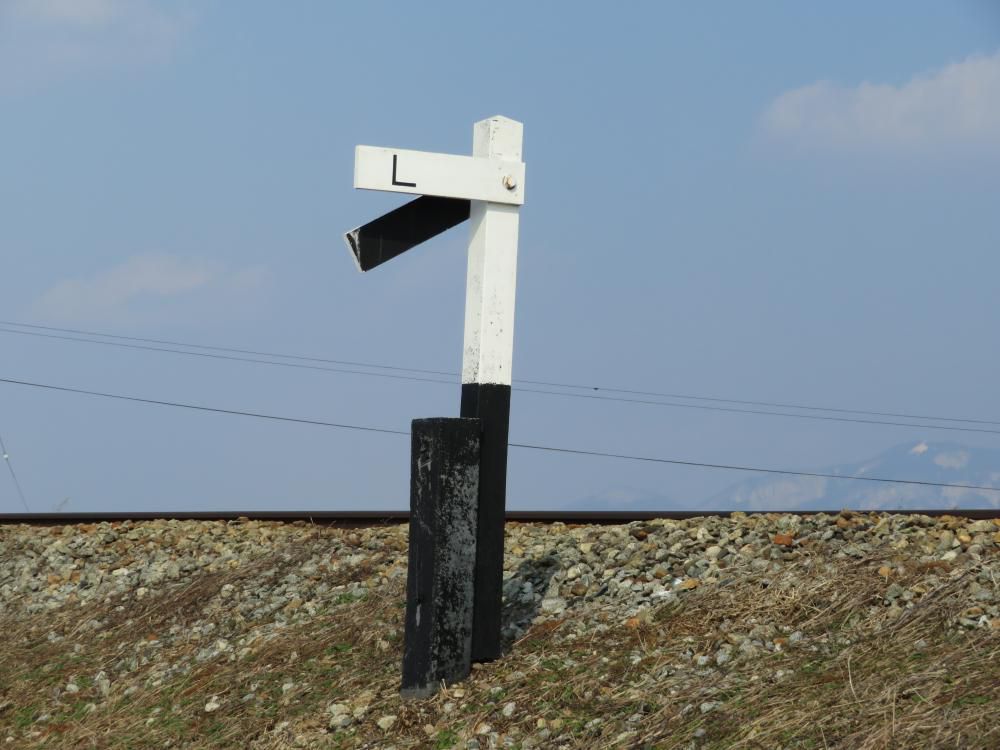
498,137
502,118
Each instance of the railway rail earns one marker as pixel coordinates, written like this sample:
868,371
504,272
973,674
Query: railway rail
390,517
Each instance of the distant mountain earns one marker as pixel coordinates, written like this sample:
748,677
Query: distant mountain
949,463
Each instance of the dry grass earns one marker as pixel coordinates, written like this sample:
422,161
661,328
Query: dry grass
860,677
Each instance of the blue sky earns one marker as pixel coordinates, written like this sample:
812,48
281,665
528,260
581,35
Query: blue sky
773,202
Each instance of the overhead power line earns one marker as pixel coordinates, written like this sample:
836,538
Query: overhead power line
196,407
590,396
526,446
232,350
732,467
13,474
252,360
765,412
774,404
548,383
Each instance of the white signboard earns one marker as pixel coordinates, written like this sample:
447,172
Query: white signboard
448,175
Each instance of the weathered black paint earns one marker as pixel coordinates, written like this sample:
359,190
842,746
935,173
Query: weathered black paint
407,226
444,493
491,404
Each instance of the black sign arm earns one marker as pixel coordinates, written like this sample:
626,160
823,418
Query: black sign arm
407,226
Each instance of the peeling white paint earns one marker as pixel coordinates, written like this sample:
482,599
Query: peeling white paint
492,275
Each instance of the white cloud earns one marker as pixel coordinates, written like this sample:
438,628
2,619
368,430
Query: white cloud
46,40
132,287
953,460
954,108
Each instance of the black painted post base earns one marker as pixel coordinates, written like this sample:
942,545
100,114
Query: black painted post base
491,405
444,499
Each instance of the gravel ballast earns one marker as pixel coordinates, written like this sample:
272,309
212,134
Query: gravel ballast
769,630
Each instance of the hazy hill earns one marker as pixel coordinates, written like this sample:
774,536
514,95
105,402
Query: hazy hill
950,463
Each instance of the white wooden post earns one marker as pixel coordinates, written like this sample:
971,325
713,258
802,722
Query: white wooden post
486,367
492,275
488,189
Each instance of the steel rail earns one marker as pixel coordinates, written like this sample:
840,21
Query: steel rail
393,517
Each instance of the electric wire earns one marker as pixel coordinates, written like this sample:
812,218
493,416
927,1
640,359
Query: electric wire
764,412
254,352
774,404
521,389
207,355
13,474
525,446
197,407
546,383
732,467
